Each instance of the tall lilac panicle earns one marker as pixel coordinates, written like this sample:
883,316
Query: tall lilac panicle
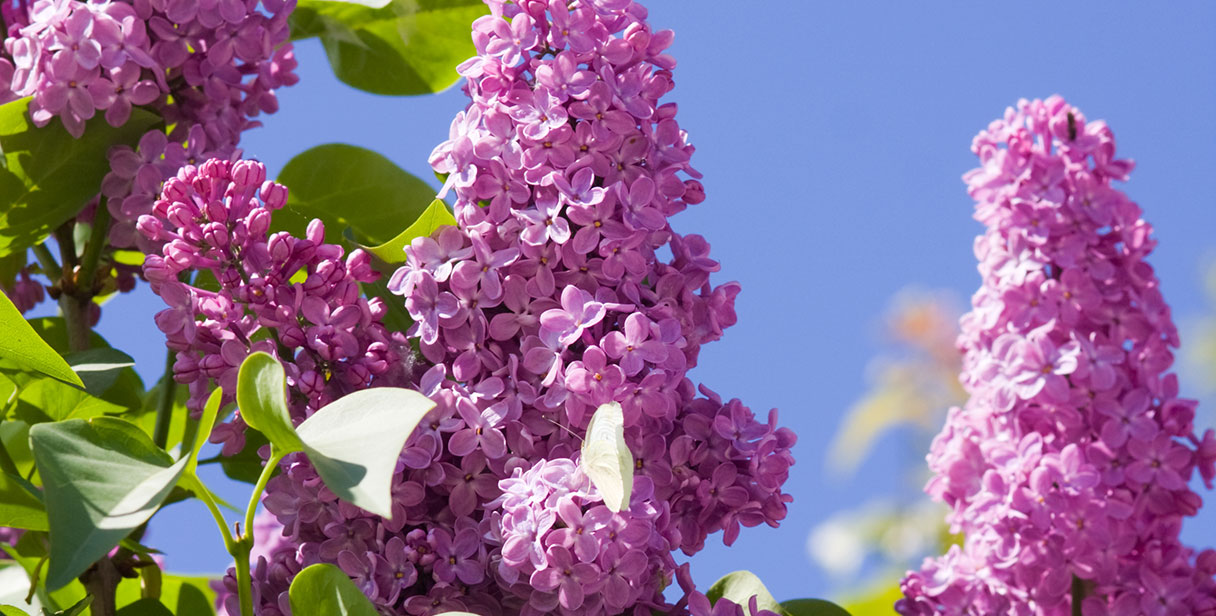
548,299
1067,469
297,298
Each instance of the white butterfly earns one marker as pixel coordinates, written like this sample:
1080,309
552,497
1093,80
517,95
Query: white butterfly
606,458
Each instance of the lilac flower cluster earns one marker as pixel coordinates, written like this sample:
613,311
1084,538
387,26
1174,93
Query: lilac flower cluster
1067,469
548,299
298,299
207,68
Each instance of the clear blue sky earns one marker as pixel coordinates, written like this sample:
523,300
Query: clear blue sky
832,137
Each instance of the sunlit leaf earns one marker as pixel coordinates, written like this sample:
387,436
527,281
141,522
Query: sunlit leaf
99,368
348,186
815,607
430,220
324,590
102,478
20,505
606,458
20,344
355,441
261,395
47,176
740,587
405,47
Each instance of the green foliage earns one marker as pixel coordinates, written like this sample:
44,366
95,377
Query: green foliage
20,504
183,595
877,601
145,607
741,586
814,607
76,610
9,610
430,220
324,590
354,442
47,176
246,466
20,344
403,48
348,186
103,478
261,394
99,368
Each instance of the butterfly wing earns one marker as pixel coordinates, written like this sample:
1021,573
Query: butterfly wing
606,458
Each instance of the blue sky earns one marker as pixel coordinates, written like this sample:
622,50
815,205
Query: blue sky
832,137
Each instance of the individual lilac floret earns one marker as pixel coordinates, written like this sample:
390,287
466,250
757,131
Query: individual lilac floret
1067,470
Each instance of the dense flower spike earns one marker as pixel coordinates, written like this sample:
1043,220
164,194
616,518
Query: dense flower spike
295,298
1067,469
207,68
549,298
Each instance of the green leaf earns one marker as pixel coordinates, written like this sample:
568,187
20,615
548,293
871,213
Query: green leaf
324,590
355,441
47,176
184,595
430,220
179,418
9,610
740,587
407,47
211,410
45,399
261,395
246,466
102,478
20,505
145,607
349,186
21,344
75,610
875,600
817,607
396,317
99,368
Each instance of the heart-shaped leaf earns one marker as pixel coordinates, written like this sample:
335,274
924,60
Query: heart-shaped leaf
348,186
354,442
20,344
436,215
101,479
99,368
740,587
324,590
261,395
20,504
47,176
405,47
815,607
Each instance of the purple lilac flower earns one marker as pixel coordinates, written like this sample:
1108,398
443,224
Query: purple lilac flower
547,298
1068,466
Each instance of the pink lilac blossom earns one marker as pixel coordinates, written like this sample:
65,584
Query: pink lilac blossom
1067,469
214,220
208,69
548,298
25,292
